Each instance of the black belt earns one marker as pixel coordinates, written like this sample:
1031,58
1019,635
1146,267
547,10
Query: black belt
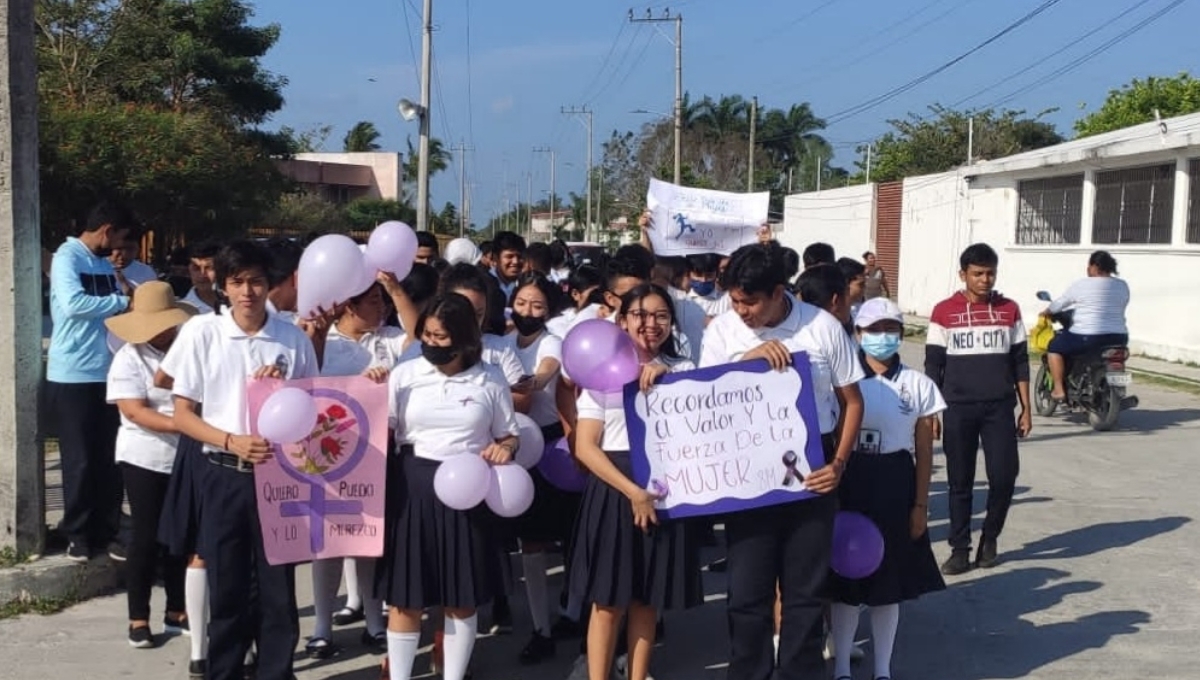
553,432
228,460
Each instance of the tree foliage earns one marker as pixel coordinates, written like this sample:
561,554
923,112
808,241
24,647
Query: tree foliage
363,137
1137,102
939,142
307,213
367,213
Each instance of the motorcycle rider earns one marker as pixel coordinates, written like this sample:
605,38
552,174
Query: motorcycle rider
1098,305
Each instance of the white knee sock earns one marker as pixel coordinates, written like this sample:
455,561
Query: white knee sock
372,606
457,645
538,590
402,650
195,603
354,585
884,622
844,623
326,576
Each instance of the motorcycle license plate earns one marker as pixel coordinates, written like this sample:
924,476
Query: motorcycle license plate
1119,379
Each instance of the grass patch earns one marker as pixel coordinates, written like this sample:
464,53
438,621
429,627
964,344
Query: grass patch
1141,378
9,557
35,605
914,331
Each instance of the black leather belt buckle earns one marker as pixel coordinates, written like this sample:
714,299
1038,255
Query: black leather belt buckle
228,460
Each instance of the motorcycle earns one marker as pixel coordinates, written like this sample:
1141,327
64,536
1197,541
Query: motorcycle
1096,381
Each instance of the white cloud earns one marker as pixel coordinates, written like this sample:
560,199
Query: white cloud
503,104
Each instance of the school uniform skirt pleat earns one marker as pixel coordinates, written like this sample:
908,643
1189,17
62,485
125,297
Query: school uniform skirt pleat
551,518
434,555
178,527
884,487
614,563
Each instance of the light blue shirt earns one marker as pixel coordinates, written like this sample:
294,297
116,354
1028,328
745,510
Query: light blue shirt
83,293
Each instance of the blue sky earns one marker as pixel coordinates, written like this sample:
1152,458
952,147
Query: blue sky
502,89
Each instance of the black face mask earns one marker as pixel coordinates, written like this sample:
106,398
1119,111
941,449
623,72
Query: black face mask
438,356
528,325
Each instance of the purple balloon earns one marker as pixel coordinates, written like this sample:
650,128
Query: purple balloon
462,482
599,356
331,271
287,416
533,446
857,546
559,468
511,491
392,248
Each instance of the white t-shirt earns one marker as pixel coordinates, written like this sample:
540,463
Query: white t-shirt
609,408
563,323
131,376
138,272
381,348
212,359
1099,304
443,416
892,404
193,299
500,353
714,305
544,410
805,329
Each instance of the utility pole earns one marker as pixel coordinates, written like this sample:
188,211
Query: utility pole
970,140
529,205
462,150
870,149
546,149
426,114
820,167
678,20
22,482
753,131
586,113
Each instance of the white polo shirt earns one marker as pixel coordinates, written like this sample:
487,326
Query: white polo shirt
193,299
131,376
563,323
496,353
714,305
443,416
544,410
893,402
690,319
381,348
609,408
212,359
805,329
138,272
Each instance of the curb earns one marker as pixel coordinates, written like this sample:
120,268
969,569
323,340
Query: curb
58,578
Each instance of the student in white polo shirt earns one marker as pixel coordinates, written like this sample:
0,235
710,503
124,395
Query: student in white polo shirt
888,481
785,544
216,355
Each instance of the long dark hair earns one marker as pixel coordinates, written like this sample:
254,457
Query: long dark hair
553,294
457,316
669,348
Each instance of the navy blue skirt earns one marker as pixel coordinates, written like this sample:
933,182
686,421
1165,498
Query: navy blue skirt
884,488
434,555
178,526
551,518
614,563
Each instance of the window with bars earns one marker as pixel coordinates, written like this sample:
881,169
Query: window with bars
1134,205
1051,210
1193,223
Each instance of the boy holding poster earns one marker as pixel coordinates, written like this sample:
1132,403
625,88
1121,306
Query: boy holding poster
213,358
786,544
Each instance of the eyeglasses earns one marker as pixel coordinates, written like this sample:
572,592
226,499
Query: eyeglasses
660,318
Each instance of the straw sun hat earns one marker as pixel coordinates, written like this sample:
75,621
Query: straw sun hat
155,310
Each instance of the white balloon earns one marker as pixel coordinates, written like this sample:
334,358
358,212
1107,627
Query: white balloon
532,444
331,271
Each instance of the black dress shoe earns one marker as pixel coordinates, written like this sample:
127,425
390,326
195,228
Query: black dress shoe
959,563
985,557
538,650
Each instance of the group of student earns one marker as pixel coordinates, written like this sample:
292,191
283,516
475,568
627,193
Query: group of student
463,344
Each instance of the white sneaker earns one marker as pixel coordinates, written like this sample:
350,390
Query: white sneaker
579,669
621,668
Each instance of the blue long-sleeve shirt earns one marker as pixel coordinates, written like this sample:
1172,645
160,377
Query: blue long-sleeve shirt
83,293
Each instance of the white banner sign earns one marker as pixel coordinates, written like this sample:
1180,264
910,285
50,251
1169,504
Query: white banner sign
694,221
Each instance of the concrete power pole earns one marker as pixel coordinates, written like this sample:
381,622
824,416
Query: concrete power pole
546,149
461,151
753,131
678,21
426,114
22,487
587,114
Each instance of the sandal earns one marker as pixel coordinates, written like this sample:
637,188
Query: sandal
347,616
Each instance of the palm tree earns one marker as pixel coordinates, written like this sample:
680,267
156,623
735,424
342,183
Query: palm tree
362,137
439,158
791,135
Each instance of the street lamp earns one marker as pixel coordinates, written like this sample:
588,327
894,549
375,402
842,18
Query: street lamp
409,110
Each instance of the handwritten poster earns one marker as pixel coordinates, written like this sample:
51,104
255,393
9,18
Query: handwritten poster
324,497
725,438
694,221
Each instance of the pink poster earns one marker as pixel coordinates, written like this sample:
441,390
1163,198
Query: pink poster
324,497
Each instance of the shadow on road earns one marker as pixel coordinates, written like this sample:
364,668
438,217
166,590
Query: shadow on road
1096,538
1135,421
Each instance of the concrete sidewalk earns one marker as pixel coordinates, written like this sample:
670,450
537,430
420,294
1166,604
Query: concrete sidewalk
1098,579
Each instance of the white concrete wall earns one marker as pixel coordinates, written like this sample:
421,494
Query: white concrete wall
933,211
385,166
843,218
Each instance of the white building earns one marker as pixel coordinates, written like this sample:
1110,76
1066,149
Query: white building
1131,192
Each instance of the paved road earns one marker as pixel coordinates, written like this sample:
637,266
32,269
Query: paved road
1100,577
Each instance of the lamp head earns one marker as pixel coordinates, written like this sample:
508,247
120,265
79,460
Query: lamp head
409,110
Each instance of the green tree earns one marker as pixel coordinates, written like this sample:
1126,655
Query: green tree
448,221
939,142
1138,101
367,213
310,140
306,212
362,137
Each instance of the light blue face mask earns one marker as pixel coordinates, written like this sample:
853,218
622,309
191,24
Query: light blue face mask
881,346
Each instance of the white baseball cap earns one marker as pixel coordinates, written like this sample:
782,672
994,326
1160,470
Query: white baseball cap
462,250
878,309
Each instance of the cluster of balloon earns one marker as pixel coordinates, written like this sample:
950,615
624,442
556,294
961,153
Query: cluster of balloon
558,467
334,268
857,546
599,356
463,482
288,416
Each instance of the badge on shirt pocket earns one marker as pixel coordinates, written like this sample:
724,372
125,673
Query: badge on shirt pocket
281,362
870,442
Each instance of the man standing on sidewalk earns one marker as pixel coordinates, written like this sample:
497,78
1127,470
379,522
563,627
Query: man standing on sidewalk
84,291
978,354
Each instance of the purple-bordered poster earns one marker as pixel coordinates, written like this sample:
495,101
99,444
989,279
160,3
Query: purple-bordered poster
725,438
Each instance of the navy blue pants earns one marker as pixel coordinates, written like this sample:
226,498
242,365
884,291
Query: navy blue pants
249,599
966,426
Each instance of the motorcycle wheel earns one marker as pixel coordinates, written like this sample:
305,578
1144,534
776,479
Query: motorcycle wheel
1104,413
1042,403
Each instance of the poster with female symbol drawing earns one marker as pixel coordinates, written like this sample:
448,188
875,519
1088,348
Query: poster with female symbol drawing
324,497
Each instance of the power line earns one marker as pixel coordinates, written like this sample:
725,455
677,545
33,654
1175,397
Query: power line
604,62
412,50
470,97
